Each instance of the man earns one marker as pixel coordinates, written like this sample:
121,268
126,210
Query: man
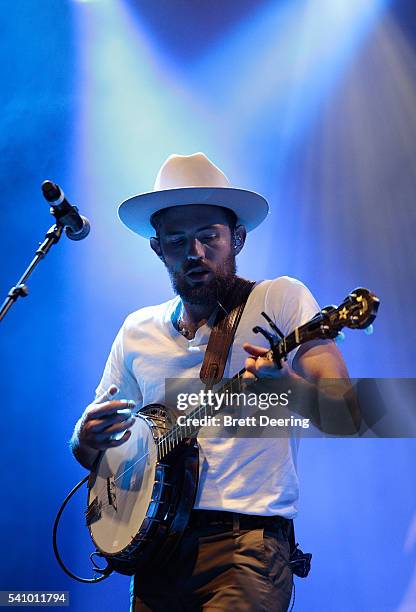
235,551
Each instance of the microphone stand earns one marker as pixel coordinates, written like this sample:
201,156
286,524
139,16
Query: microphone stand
20,290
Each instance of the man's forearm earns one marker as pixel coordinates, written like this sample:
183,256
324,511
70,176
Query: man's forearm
330,405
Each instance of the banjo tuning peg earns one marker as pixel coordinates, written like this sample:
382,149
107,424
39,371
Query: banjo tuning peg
340,337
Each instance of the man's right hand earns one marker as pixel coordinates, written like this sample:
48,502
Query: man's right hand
99,424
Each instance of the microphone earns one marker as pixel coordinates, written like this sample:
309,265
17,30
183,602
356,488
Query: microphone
76,226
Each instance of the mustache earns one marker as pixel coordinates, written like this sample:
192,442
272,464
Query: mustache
195,265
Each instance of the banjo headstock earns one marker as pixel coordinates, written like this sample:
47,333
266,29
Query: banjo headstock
357,311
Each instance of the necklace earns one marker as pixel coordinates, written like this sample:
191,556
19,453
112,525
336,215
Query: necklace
182,329
189,331
181,325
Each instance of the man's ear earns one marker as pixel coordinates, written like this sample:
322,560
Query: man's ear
239,239
155,245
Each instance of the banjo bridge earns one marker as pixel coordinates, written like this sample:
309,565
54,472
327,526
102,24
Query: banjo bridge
93,512
111,493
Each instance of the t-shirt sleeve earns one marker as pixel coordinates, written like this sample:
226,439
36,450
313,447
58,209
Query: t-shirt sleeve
117,372
291,304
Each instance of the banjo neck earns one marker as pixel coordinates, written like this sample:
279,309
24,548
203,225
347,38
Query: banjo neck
357,311
177,434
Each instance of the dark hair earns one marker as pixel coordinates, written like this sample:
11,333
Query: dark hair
231,217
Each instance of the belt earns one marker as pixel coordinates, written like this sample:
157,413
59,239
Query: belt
205,518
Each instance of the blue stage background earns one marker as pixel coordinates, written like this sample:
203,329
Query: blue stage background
311,103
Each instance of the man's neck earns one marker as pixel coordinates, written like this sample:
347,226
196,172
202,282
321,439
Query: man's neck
195,315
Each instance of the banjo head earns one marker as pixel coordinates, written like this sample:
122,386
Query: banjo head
119,499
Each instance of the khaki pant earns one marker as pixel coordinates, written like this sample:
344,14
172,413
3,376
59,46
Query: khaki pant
218,567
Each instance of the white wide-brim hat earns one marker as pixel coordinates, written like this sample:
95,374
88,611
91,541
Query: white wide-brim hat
191,179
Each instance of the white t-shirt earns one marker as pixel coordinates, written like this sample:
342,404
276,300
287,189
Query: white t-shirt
247,475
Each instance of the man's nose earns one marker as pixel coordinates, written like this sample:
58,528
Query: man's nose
195,249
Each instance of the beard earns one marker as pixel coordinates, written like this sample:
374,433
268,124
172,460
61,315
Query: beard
204,293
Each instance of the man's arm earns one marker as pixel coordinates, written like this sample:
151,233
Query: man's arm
320,372
319,359
321,362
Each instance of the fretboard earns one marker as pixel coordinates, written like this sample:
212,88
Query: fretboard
178,433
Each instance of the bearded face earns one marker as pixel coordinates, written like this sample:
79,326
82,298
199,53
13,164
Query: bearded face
196,244
212,285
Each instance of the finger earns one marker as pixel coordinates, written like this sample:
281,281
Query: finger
261,368
250,367
113,429
97,425
247,380
254,350
112,443
254,364
111,392
250,362
108,408
249,376
265,364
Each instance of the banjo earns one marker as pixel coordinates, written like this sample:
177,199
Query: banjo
140,494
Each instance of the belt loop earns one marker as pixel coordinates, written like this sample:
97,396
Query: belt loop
236,524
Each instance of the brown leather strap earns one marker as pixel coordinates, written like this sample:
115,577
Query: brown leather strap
223,332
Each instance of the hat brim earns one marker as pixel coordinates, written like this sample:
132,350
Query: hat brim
135,212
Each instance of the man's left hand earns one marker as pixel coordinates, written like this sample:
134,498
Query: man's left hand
258,366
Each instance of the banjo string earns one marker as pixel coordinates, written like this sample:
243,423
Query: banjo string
167,436
104,488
